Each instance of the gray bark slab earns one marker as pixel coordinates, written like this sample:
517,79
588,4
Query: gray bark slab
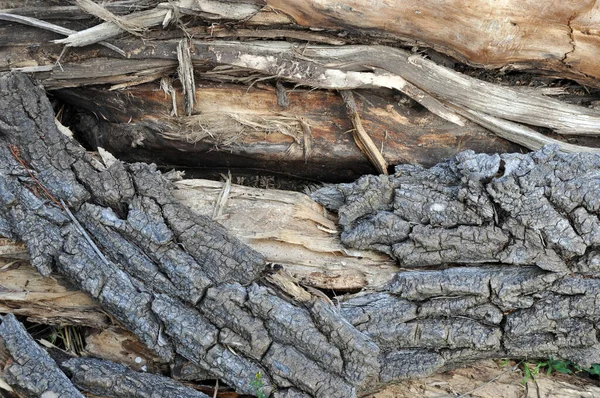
30,371
515,236
518,209
105,378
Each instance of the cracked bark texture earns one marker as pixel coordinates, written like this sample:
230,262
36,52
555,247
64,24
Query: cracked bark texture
516,209
185,287
175,279
30,371
105,378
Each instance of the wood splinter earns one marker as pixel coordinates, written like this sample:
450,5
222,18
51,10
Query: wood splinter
361,137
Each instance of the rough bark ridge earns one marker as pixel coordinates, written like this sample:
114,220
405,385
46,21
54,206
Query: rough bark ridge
34,373
31,371
105,378
534,209
175,279
530,223
185,287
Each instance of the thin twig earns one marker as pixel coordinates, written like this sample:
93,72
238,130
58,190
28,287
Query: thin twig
38,23
222,199
306,138
84,233
216,389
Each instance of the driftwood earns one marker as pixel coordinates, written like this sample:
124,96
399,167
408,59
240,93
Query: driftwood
554,36
117,233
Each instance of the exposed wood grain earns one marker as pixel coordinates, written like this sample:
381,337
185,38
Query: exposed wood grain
135,124
554,35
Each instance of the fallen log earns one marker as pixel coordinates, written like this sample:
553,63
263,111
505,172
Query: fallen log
246,129
116,232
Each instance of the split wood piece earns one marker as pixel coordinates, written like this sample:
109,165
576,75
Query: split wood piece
230,315
48,300
454,89
51,27
361,137
130,71
290,229
556,36
162,15
238,128
521,134
333,67
343,68
28,369
185,71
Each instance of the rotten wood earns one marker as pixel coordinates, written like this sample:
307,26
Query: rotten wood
238,128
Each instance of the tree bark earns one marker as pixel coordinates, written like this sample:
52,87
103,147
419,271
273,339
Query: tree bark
29,370
116,231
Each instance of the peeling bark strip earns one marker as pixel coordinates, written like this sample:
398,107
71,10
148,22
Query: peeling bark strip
182,285
31,371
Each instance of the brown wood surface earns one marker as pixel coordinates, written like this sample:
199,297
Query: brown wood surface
135,124
555,35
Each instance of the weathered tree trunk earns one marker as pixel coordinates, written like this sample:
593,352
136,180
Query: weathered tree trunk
183,285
